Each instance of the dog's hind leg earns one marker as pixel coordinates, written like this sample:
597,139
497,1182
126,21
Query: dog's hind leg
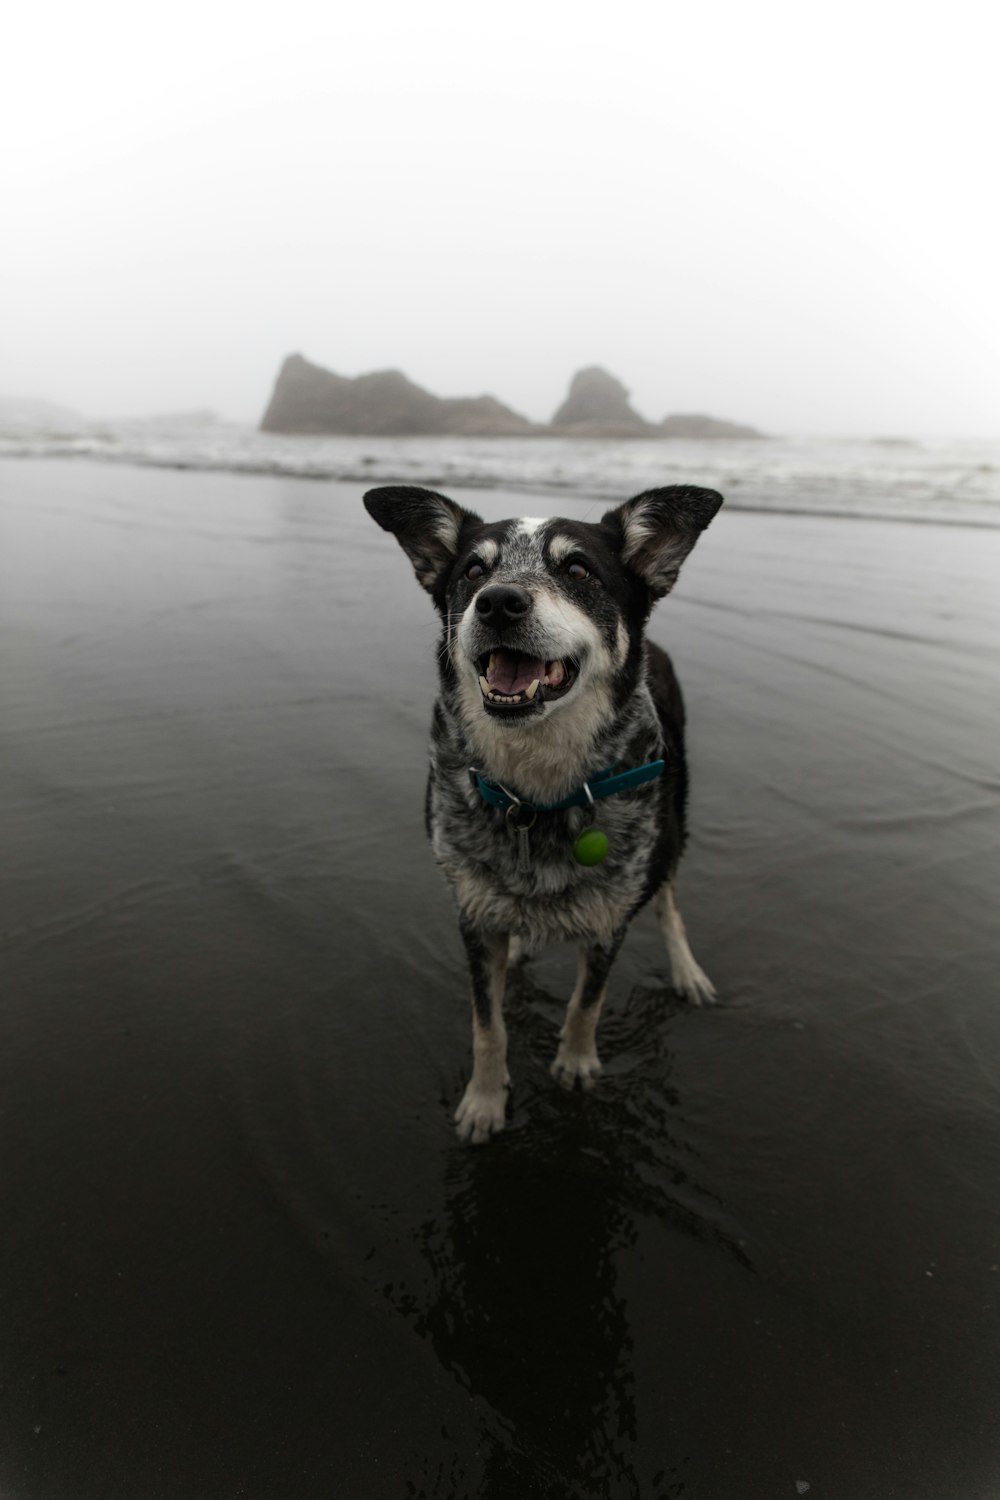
689,979
481,1112
577,1056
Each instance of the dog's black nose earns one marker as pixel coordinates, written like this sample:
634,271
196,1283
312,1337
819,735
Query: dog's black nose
503,603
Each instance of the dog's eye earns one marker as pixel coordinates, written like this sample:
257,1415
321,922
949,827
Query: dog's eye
578,570
474,570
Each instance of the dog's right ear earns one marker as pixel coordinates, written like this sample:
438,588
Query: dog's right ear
426,525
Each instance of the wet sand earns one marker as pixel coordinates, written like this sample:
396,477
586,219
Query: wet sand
242,1252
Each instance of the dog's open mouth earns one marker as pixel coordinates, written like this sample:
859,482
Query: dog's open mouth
512,680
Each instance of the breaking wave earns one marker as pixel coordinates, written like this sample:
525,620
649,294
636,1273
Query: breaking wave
947,482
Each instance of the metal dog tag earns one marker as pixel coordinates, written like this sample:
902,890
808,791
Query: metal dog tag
520,821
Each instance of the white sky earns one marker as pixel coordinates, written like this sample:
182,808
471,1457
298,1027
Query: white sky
778,212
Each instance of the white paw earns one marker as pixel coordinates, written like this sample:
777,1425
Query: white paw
481,1113
571,1065
691,981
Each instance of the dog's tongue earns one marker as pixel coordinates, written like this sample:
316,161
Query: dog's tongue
510,673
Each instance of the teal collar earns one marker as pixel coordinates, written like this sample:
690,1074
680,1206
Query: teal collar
603,784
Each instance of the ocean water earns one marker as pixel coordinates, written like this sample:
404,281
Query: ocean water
886,478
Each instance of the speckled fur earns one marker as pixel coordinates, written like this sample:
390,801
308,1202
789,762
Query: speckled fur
624,709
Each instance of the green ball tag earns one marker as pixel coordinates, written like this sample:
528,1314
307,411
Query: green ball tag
591,848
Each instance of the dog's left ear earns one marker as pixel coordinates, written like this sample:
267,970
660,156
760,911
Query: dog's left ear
426,525
658,529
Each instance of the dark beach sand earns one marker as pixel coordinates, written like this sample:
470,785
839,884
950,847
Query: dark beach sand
242,1254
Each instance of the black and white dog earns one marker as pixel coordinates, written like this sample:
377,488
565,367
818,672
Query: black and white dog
557,791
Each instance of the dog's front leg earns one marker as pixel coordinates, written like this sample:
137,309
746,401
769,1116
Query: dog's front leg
481,1112
577,1056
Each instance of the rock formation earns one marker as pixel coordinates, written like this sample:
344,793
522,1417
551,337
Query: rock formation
598,406
309,399
694,425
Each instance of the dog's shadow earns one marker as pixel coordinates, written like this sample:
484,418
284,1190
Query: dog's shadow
524,1306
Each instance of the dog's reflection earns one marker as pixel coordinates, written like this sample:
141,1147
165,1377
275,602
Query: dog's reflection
525,1308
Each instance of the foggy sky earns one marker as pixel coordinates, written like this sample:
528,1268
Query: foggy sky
776,212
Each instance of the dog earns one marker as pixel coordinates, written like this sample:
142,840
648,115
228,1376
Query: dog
558,783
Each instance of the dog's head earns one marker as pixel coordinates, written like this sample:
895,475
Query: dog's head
544,617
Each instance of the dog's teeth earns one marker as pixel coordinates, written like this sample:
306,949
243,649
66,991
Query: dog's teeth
556,674
530,692
495,697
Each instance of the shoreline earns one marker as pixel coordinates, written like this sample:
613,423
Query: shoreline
570,489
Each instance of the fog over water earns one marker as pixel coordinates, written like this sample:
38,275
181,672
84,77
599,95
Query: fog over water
776,215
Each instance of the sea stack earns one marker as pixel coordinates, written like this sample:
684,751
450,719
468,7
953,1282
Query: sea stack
597,406
310,399
694,425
